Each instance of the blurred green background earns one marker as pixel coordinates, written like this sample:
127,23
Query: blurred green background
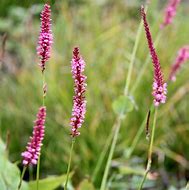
105,31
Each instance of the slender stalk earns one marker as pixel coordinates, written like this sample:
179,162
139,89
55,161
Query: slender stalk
118,123
105,176
38,162
30,173
7,142
150,150
44,93
138,135
128,79
102,156
37,174
69,163
131,149
21,177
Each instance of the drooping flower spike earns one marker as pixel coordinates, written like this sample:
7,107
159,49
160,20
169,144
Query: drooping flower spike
182,57
159,87
170,12
31,155
45,38
79,101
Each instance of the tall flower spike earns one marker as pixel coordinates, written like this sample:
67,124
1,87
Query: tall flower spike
45,38
31,155
79,101
170,12
182,57
159,87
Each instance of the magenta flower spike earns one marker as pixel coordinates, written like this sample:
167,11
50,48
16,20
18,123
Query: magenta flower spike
31,155
159,87
170,12
182,57
45,37
79,101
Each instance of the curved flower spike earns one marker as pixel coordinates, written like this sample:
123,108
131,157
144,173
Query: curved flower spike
159,87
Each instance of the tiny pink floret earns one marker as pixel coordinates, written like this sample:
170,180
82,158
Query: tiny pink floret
79,101
159,87
170,12
45,37
159,93
31,155
182,57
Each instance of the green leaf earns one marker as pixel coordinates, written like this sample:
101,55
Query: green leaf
48,183
86,185
122,105
9,173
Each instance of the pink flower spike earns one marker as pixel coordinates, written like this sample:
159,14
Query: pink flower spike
79,101
170,12
182,57
30,156
159,87
45,38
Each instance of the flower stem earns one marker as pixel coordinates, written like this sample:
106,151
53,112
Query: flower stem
150,150
105,176
138,135
102,156
21,177
44,93
69,163
128,79
118,122
38,161
37,175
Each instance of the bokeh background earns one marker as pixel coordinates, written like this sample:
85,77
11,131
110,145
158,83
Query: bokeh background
105,31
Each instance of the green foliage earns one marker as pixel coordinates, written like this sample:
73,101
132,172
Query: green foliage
49,183
122,105
7,4
9,173
10,176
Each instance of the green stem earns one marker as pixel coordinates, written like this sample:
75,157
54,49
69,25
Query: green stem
102,156
150,150
44,94
38,161
105,176
128,79
37,175
21,177
69,163
118,124
138,135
